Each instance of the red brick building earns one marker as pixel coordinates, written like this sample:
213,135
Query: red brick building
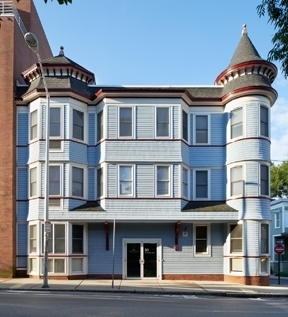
15,19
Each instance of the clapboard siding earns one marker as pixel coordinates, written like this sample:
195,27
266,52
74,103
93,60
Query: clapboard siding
22,129
22,183
22,239
145,122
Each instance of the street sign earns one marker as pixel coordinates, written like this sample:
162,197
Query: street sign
47,226
279,249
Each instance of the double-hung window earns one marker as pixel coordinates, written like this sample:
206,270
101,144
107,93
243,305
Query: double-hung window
125,124
33,124
264,248
264,180
184,125
201,129
78,125
163,180
277,220
235,238
33,181
236,123
77,181
264,128
99,182
162,122
185,182
236,181
54,185
201,185
201,238
55,128
77,239
33,239
100,125
125,180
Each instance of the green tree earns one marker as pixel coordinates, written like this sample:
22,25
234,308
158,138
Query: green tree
59,1
279,180
277,11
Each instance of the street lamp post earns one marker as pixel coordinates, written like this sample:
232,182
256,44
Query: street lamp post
33,43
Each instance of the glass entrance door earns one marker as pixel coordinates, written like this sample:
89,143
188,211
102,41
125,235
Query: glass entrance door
142,258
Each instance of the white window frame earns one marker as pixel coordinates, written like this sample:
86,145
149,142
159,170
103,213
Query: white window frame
132,122
36,126
268,180
101,183
239,123
38,180
53,253
208,183
169,122
237,181
132,180
230,239
32,224
59,137
185,183
266,123
195,127
208,241
268,238
58,196
85,123
277,215
169,181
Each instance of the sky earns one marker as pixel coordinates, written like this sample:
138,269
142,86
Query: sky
163,42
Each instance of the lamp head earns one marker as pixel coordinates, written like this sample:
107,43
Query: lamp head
32,41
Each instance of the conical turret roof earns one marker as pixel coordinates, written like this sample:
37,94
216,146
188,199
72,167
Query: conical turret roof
245,51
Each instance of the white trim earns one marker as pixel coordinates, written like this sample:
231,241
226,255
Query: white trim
170,126
132,136
132,180
170,173
208,183
208,128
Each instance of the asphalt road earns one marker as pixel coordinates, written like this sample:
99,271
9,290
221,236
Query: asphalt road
47,304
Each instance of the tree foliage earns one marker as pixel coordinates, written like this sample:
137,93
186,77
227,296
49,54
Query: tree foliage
59,1
277,11
279,180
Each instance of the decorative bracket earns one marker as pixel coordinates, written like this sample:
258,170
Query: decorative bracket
177,229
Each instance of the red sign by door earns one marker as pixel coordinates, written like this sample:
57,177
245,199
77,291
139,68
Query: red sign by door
279,249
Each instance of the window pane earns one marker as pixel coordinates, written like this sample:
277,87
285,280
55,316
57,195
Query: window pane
99,182
99,125
125,121
185,125
236,265
78,124
33,238
162,122
59,238
201,184
33,125
237,186
201,129
235,238
201,239
264,265
55,122
125,172
77,239
264,180
236,123
33,181
77,182
185,182
264,238
59,266
162,173
201,232
125,180
77,265
264,121
54,180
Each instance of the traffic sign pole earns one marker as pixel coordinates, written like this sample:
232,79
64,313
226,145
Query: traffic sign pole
279,249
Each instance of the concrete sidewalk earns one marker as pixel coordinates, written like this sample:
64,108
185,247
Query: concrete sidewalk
148,286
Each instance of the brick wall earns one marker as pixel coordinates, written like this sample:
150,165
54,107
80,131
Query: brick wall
15,57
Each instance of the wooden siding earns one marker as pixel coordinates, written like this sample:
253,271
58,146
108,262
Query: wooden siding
252,239
91,129
21,210
176,125
78,153
252,208
22,183
218,183
251,183
112,122
174,262
206,156
143,151
145,122
250,149
22,239
112,186
252,120
22,129
218,128
91,184
145,184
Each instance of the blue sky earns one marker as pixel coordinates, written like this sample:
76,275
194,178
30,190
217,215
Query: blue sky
162,42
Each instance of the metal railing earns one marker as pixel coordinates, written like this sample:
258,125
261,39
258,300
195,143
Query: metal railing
7,9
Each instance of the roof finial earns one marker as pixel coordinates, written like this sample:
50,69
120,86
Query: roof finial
244,29
61,51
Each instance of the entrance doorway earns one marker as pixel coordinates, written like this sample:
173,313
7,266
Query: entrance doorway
142,258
